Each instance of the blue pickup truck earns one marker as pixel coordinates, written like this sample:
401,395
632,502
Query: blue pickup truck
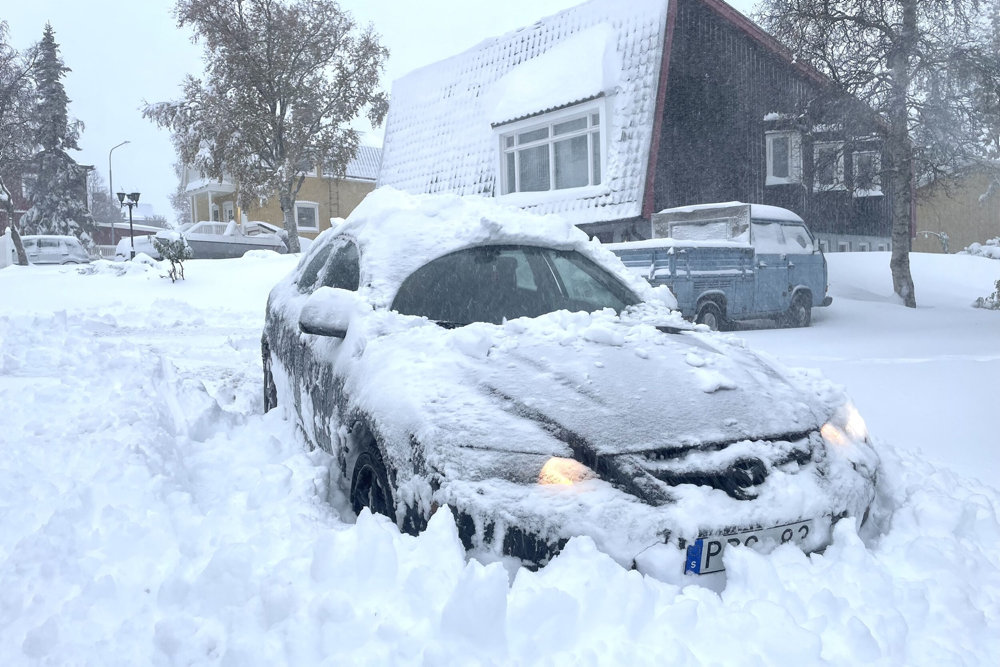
733,261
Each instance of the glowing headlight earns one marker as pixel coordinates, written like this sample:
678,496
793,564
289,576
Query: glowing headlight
845,426
558,470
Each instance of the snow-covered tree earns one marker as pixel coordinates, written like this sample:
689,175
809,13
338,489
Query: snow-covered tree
179,198
57,187
283,78
103,207
16,101
923,65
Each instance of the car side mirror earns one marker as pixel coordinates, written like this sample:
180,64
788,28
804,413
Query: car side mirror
329,311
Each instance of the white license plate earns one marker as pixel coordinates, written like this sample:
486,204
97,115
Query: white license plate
705,555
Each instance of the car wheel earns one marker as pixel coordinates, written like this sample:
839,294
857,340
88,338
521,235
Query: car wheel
799,313
370,483
710,315
270,390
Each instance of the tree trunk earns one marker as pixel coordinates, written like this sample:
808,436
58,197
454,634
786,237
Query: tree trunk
900,154
288,211
22,257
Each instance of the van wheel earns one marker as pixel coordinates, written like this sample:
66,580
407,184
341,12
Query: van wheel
370,482
710,315
799,313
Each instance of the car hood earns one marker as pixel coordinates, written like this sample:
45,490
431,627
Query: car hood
672,393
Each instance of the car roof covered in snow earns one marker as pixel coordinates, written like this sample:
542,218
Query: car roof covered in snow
399,232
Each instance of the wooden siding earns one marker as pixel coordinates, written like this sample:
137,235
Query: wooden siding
721,84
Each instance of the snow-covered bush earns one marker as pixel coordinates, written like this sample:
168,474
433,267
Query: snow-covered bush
992,301
174,248
989,249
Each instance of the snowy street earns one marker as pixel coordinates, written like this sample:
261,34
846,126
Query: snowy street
151,514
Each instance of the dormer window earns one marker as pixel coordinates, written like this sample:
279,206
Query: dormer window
558,151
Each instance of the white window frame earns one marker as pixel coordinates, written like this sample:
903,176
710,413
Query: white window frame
598,133
794,157
228,211
843,246
838,167
876,185
307,204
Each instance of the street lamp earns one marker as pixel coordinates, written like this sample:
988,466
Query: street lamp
131,200
111,185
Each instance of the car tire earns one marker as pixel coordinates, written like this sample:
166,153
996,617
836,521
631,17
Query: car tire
370,482
799,313
710,315
270,389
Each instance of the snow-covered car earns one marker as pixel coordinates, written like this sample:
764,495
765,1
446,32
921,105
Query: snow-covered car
54,249
455,352
213,240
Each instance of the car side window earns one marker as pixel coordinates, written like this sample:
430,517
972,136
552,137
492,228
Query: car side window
343,269
309,275
799,240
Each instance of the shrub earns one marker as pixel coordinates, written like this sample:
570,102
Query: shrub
174,248
992,301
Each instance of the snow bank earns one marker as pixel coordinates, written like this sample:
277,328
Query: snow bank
150,514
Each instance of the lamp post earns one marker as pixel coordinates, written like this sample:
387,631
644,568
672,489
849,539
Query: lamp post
131,200
111,185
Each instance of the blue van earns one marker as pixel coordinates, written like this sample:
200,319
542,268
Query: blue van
733,261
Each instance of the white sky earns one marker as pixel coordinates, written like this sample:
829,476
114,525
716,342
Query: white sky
123,53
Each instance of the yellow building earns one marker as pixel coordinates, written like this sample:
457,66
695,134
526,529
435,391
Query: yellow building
964,207
321,198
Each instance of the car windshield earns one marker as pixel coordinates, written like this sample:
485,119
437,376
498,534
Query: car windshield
493,283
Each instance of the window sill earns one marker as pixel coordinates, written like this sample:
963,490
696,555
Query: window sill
868,193
552,196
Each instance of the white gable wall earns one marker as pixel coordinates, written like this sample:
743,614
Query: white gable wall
439,133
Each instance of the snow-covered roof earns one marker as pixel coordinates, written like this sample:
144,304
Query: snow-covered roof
757,211
364,166
440,134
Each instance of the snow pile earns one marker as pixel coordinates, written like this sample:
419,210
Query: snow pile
150,514
990,249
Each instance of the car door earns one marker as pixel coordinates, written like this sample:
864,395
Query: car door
50,251
806,264
319,404
771,293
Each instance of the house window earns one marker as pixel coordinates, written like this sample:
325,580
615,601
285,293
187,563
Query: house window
563,153
307,215
824,247
828,165
784,158
867,173
227,211
215,213
843,246
863,246
881,247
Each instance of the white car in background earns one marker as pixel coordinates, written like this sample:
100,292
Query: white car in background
214,240
52,249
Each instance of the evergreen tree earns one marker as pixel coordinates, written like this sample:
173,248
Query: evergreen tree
57,190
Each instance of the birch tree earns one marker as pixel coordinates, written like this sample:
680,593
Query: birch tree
283,79
922,65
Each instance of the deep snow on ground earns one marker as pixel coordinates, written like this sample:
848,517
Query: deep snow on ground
150,514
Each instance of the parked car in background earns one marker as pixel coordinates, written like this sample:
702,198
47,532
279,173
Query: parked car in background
52,249
214,240
733,261
456,353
